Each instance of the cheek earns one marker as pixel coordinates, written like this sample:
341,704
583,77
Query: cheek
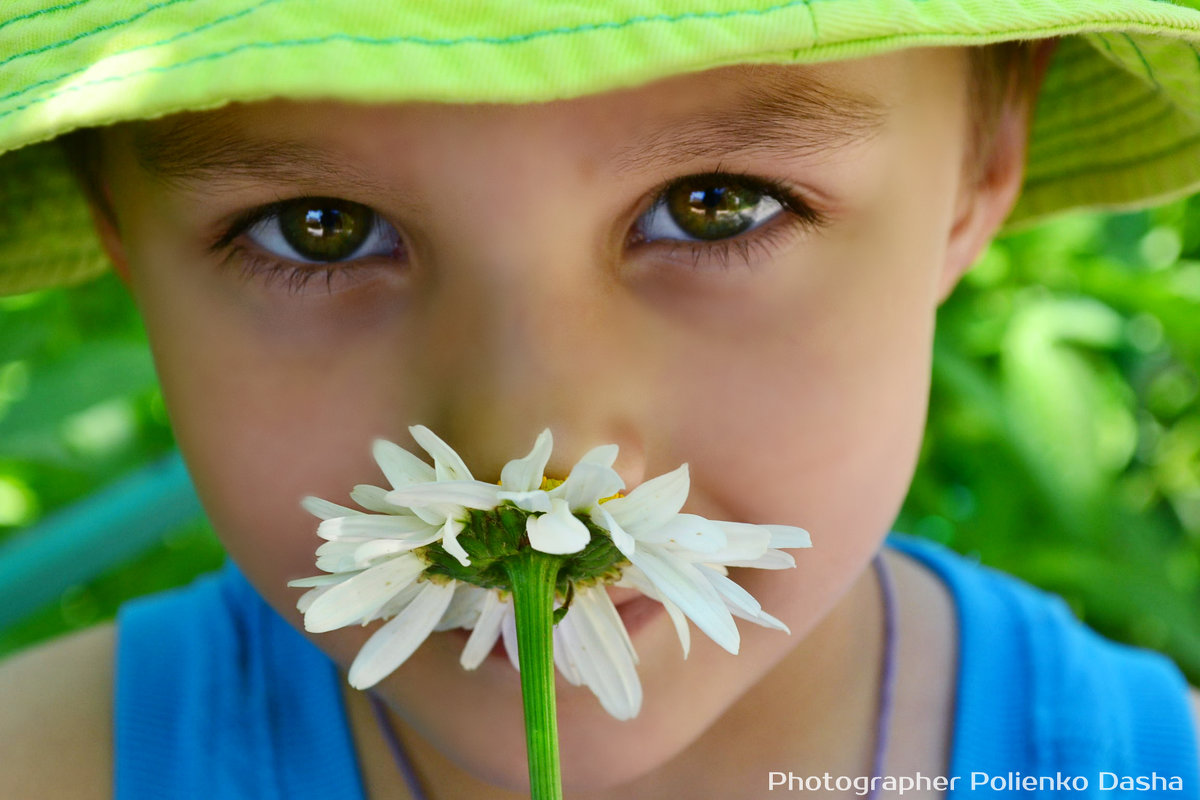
266,411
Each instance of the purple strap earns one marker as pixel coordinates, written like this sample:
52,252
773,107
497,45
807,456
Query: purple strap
887,675
399,755
887,680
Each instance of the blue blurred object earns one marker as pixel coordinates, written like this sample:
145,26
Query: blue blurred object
93,535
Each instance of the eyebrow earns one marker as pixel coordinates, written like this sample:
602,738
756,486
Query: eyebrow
778,117
189,150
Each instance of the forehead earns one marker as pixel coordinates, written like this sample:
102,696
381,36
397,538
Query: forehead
777,112
774,111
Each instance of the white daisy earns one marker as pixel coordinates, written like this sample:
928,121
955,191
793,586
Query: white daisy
431,558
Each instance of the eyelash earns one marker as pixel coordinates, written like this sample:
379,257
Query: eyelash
766,238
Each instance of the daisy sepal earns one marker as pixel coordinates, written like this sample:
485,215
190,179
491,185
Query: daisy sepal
682,583
359,597
391,645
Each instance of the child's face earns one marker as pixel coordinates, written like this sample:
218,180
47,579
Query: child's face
788,366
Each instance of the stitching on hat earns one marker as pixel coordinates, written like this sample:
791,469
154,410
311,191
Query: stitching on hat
1044,32
161,42
1103,39
1145,63
93,31
1073,124
41,12
1094,136
1094,168
387,40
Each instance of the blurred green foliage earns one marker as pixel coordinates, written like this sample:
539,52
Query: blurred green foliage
1063,444
1064,430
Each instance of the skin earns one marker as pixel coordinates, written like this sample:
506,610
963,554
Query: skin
795,387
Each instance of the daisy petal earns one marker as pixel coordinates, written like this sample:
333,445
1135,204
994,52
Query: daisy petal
323,509
463,494
772,559
652,504
358,597
525,474
486,632
508,630
605,455
448,466
338,556
691,532
391,645
732,592
320,580
398,603
373,526
450,532
601,651
761,618
586,484
564,658
557,531
788,536
622,540
634,578
686,586
306,599
399,466
536,500
372,498
464,609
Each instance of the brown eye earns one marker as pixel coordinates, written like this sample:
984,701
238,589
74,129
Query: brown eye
323,230
710,208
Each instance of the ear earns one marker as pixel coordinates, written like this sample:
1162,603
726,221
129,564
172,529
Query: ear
988,193
104,220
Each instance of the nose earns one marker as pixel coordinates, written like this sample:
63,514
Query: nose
530,338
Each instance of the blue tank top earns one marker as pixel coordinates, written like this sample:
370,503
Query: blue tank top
218,698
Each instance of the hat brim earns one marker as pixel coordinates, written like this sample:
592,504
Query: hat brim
1117,124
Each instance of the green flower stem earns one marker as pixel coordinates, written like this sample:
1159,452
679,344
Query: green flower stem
532,575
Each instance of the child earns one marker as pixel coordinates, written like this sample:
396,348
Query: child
636,226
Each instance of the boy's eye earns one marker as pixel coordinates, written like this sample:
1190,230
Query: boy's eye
319,230
708,208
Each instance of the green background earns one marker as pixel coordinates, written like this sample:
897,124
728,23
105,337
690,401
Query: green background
1063,443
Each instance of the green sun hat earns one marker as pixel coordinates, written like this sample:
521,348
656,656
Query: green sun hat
1117,123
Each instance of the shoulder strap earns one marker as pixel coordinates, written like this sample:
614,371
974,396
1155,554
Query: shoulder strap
218,697
1040,694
